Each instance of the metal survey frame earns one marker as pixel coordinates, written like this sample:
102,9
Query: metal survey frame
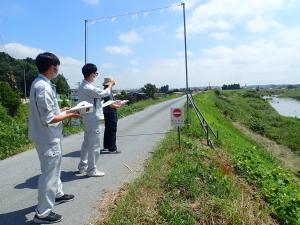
204,124
185,53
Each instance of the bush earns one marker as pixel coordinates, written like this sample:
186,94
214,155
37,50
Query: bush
64,103
217,92
256,125
9,98
3,114
251,94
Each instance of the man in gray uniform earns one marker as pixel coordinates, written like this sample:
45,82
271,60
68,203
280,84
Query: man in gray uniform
45,131
90,149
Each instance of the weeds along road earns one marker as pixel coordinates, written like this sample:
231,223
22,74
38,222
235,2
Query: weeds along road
19,174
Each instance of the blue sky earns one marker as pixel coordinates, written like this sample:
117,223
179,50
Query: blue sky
229,41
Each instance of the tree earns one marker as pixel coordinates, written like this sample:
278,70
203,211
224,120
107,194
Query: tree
12,71
62,86
231,87
150,90
9,98
164,89
124,96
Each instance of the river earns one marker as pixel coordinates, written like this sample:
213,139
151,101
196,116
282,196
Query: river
286,106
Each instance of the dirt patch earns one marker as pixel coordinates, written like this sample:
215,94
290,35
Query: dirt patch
108,202
288,158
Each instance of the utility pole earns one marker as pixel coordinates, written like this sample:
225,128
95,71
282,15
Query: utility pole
186,66
24,84
85,41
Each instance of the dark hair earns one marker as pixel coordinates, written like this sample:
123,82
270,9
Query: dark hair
88,69
45,60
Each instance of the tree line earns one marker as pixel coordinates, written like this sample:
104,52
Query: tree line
16,76
231,87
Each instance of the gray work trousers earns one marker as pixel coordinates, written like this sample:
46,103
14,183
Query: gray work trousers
49,186
90,148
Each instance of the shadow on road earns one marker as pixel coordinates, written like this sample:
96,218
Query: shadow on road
17,217
75,154
32,183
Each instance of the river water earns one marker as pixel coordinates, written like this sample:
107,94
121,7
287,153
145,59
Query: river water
286,106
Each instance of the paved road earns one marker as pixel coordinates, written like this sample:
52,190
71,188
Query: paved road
19,174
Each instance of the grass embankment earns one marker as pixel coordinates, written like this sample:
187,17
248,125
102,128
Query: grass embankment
201,186
251,110
194,185
14,131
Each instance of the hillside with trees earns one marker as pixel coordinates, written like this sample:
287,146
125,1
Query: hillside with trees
18,72
14,74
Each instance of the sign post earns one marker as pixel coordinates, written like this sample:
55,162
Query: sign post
177,120
75,122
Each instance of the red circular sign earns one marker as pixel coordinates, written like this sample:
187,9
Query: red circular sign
177,112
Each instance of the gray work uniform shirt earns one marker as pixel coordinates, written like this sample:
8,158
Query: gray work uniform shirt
43,108
90,93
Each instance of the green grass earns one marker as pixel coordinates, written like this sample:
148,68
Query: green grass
14,131
197,185
257,114
276,185
186,186
291,93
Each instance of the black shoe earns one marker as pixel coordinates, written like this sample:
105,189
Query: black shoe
51,218
64,198
115,150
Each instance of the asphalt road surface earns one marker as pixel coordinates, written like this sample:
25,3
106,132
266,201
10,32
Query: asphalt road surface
138,135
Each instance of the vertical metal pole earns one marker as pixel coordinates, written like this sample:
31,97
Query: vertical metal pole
207,134
186,66
85,41
179,137
24,84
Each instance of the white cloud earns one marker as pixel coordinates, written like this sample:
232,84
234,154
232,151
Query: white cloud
225,14
70,67
221,36
200,25
290,37
262,61
130,37
107,65
262,25
118,50
20,51
91,2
